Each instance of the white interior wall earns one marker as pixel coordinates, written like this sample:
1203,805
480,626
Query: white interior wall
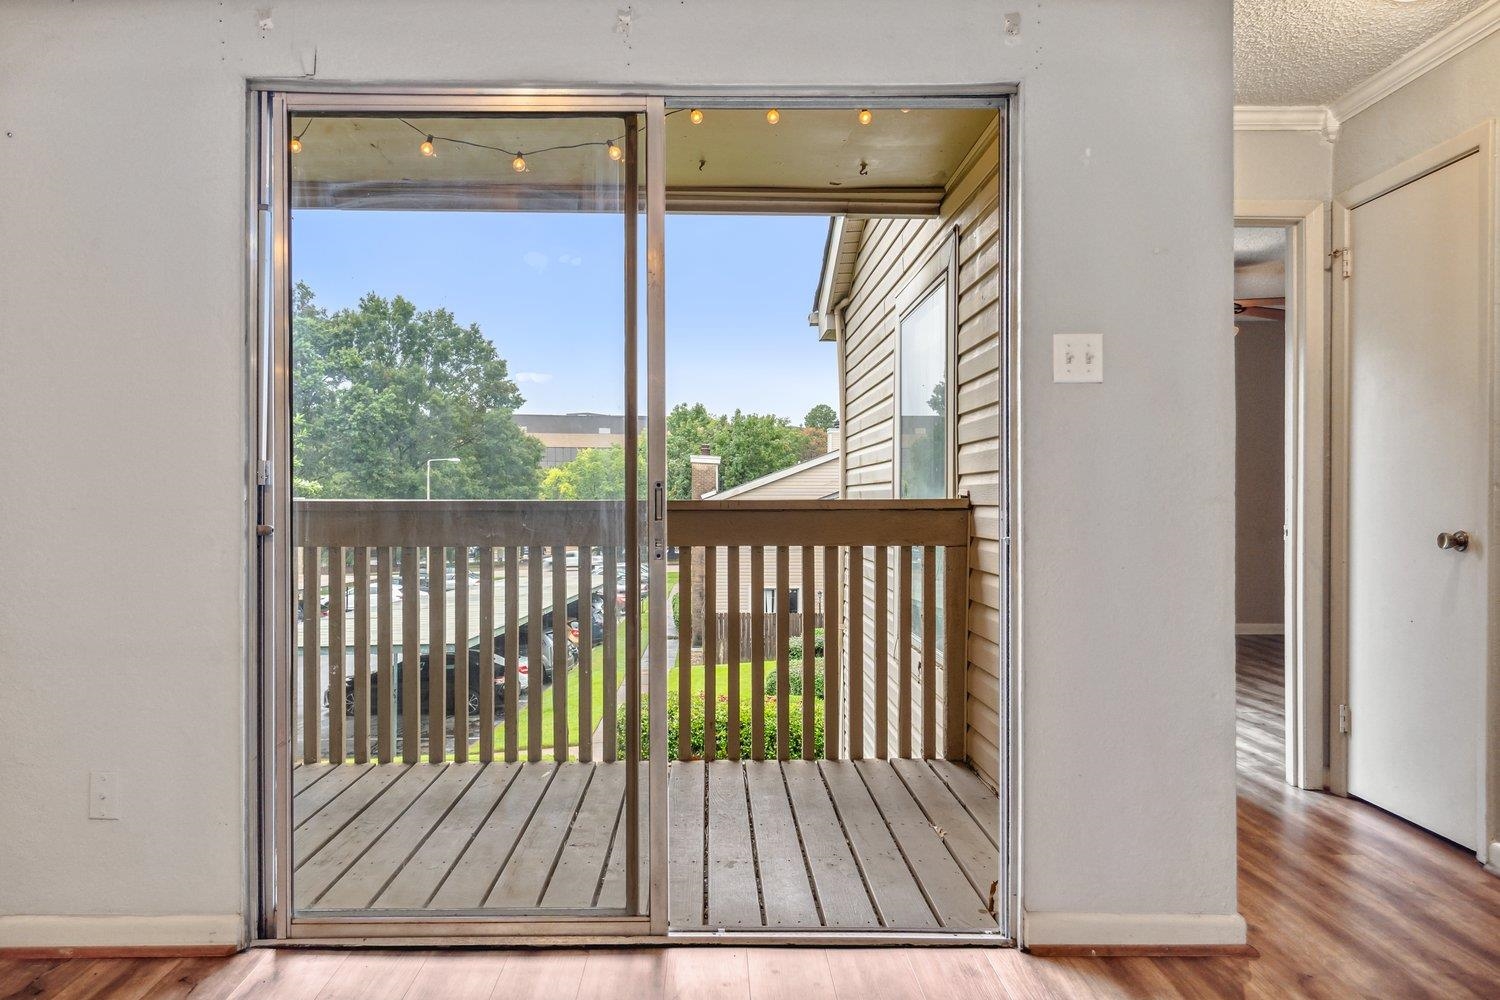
123,416
1282,166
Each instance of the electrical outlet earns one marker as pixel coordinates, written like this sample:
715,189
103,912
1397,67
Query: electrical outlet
1078,357
104,795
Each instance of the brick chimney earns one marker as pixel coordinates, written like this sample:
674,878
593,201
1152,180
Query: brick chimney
705,472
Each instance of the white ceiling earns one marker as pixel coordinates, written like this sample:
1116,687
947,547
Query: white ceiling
1301,52
1259,262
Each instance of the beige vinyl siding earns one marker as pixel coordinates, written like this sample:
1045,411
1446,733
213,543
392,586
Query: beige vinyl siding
892,251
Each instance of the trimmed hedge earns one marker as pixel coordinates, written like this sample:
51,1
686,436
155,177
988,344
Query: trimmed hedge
721,728
794,646
794,681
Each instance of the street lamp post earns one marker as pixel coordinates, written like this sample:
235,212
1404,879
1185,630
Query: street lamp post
429,471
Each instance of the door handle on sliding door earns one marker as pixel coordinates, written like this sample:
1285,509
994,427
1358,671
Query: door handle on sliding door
1453,540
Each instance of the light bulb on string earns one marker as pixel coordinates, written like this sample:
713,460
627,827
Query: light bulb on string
427,148
519,163
695,116
615,152
865,117
295,145
772,116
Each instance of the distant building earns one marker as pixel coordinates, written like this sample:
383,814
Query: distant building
564,435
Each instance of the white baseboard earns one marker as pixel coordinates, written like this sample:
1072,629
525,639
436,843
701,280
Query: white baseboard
26,931
1259,628
1044,927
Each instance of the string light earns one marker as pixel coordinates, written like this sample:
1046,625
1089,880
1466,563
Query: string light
773,116
611,147
865,117
518,164
615,152
427,148
695,116
295,145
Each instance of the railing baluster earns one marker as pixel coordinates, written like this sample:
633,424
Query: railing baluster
929,652
437,655
611,668
311,659
955,647
903,651
535,653
809,703
559,652
684,654
710,652
461,653
732,653
882,627
513,652
411,655
336,615
487,654
832,627
385,671
361,655
585,653
783,664
757,653
855,651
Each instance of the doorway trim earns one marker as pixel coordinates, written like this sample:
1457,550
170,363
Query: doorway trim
1480,141
1305,558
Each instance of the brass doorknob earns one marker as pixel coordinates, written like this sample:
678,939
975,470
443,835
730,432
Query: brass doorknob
1453,540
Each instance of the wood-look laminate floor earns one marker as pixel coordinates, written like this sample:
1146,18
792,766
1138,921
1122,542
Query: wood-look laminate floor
908,845
1343,900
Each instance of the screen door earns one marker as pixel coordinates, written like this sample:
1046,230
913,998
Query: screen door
459,550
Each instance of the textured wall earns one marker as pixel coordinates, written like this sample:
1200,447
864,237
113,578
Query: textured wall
123,409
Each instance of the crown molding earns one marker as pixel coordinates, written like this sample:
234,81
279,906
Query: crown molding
1474,26
1289,118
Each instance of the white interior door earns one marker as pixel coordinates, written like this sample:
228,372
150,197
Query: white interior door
1418,466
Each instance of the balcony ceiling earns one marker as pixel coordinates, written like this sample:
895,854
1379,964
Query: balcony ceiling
370,161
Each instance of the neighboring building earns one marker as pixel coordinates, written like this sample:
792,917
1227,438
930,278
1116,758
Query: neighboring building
564,435
814,479
913,306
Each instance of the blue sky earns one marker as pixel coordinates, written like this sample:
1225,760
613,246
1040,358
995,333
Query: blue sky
545,287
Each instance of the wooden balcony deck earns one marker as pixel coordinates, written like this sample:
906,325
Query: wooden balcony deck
795,844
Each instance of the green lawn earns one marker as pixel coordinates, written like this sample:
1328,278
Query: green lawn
721,678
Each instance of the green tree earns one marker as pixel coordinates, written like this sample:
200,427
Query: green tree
380,388
749,445
688,427
821,416
593,474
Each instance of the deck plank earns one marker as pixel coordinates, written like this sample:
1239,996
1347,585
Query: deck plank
309,838
951,895
685,844
612,891
425,870
897,897
979,859
785,888
306,804
523,880
469,880
977,797
733,896
581,864
836,878
304,775
348,846
357,887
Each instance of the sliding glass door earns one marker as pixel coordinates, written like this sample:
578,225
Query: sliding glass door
461,561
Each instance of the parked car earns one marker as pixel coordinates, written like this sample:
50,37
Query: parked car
525,658
497,677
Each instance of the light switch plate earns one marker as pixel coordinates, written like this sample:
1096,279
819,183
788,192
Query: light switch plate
1078,357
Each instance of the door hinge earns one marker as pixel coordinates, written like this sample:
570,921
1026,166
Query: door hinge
1343,255
262,473
1343,718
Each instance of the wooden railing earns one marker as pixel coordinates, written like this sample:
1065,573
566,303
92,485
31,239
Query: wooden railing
383,584
508,562
888,691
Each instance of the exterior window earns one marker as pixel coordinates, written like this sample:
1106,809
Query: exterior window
924,395
793,601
